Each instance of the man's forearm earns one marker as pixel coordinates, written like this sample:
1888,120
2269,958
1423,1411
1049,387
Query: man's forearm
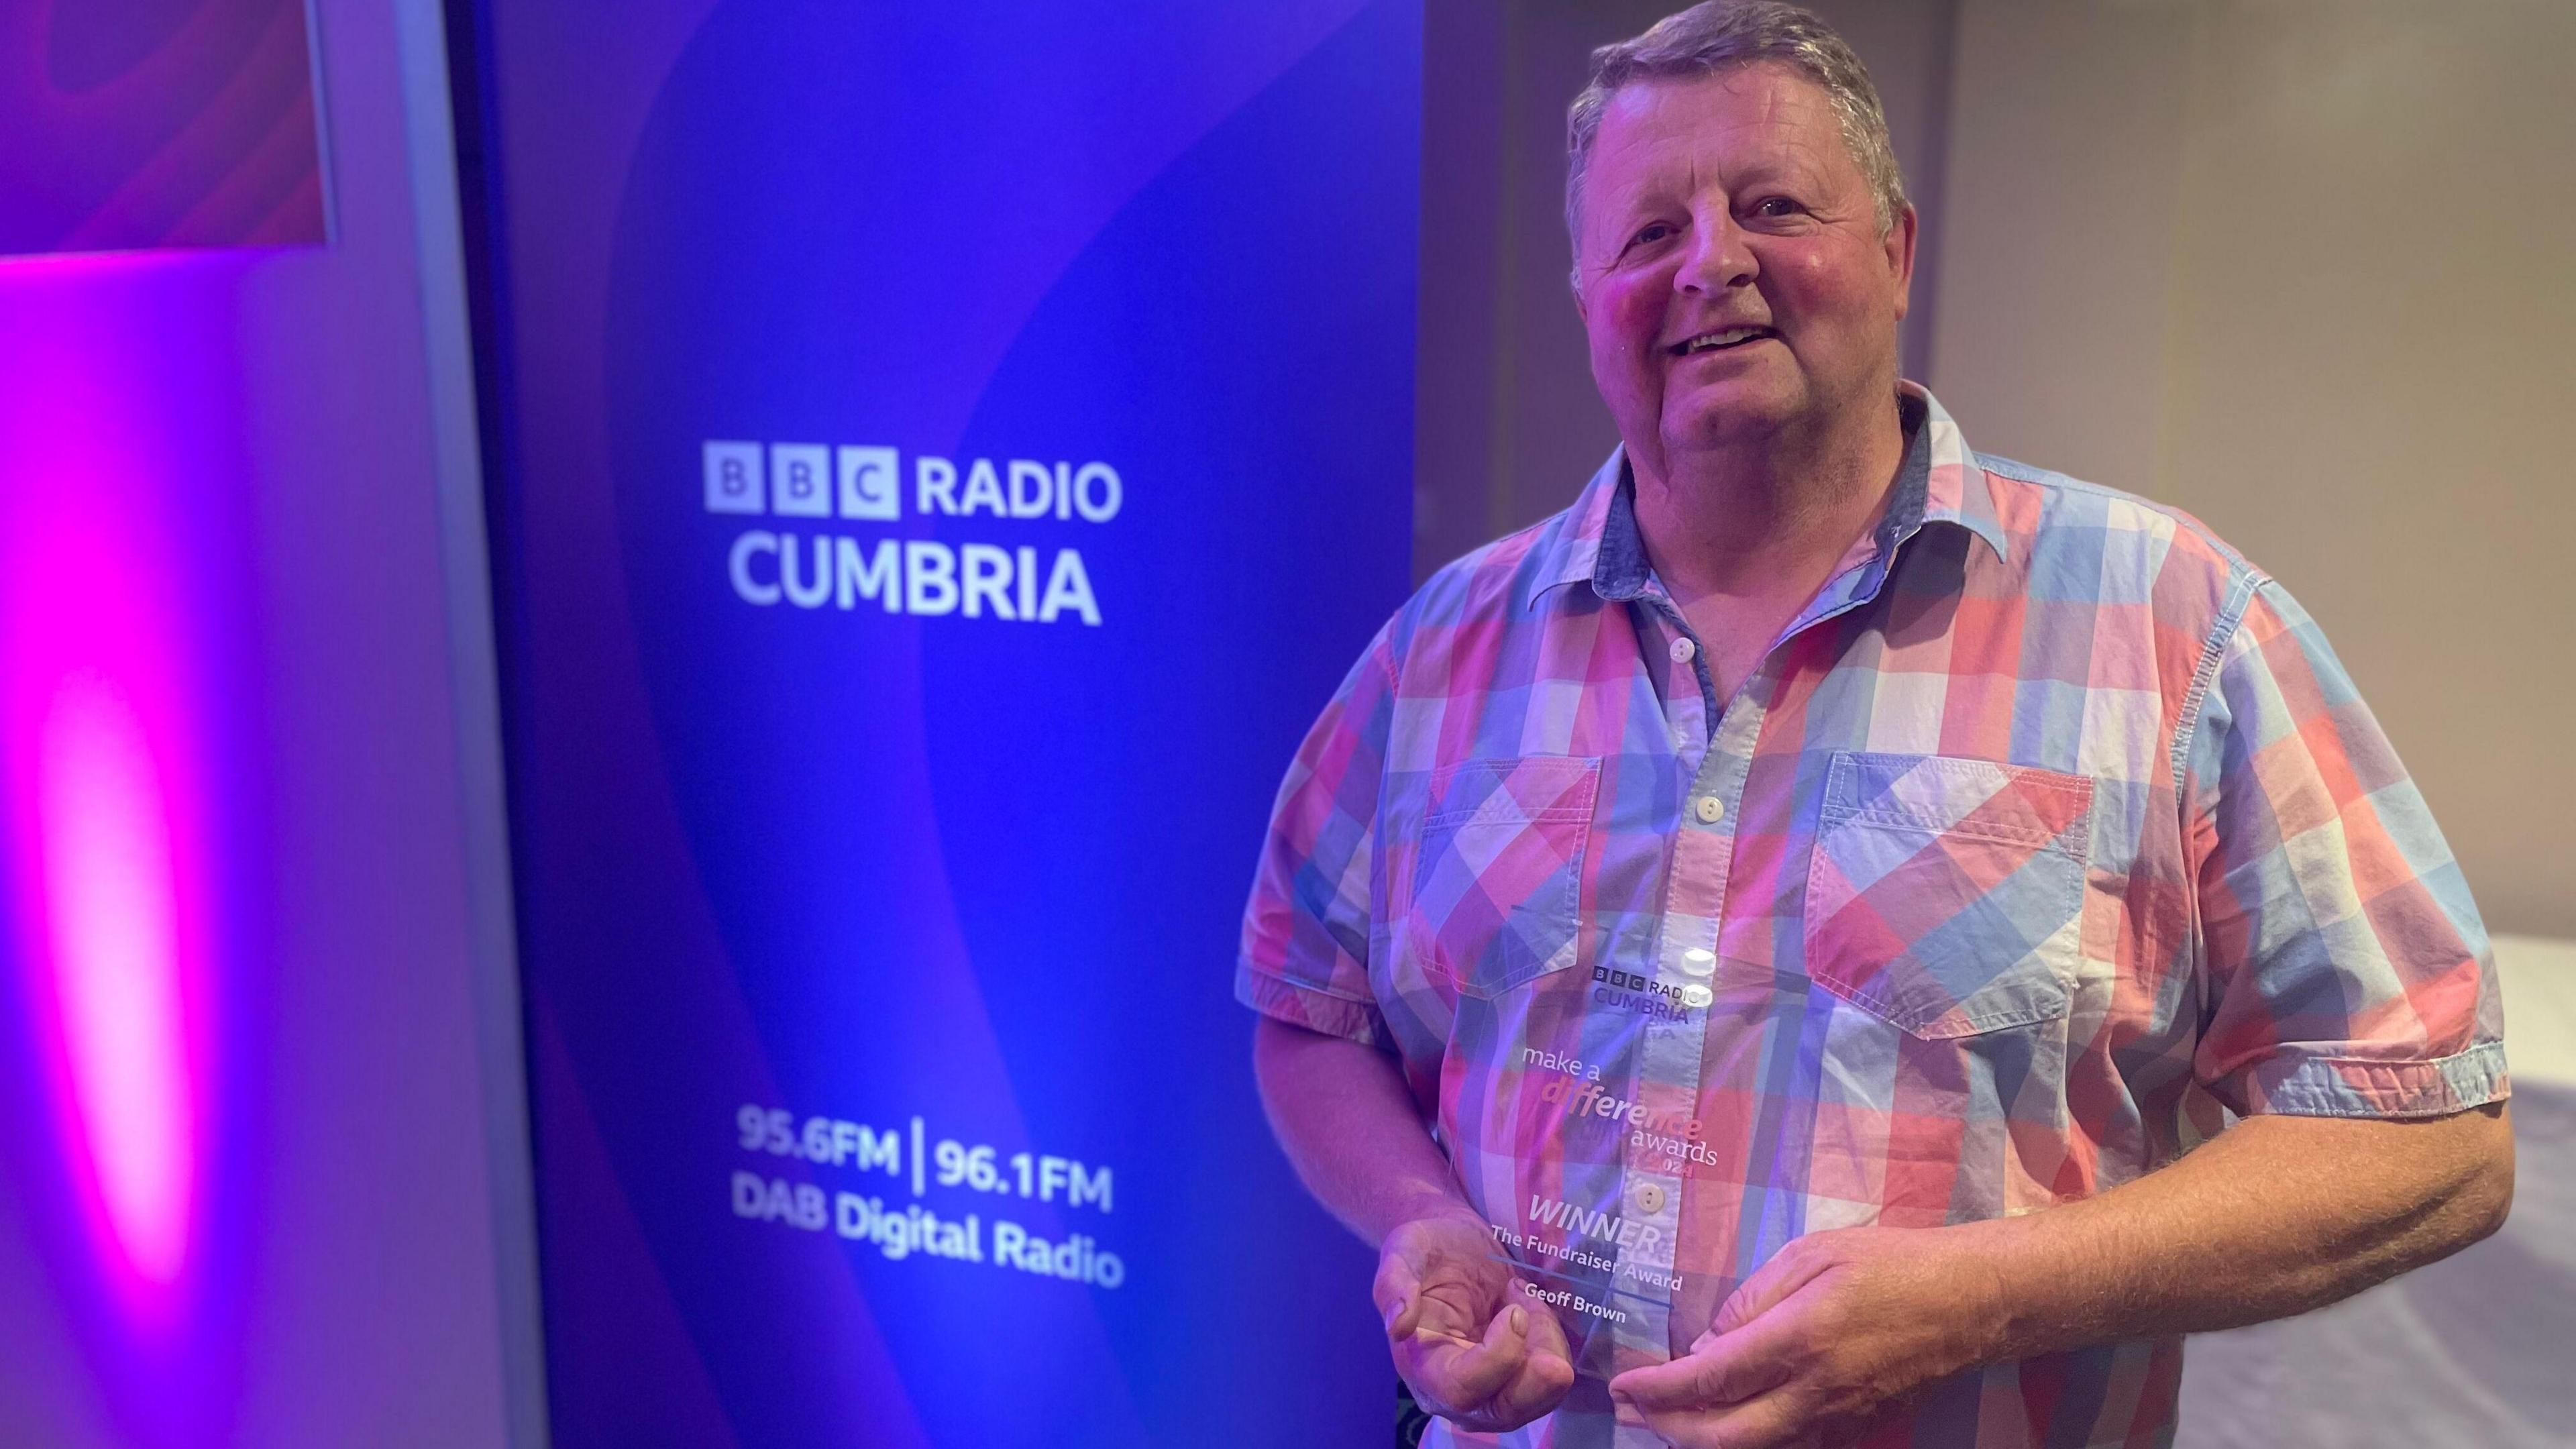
1350,1127
2276,1216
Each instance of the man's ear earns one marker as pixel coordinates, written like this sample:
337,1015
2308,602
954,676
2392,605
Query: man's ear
1900,257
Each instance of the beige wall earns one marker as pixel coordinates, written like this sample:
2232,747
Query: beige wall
2302,267
2307,269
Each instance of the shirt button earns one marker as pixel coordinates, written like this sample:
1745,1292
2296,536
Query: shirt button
1682,739
1649,1197
1709,809
1683,649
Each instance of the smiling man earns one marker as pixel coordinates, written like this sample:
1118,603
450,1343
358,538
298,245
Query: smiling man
1836,937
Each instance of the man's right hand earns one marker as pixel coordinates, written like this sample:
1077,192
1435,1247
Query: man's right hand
1476,1349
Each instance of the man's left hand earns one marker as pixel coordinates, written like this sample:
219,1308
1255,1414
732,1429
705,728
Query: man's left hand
1835,1327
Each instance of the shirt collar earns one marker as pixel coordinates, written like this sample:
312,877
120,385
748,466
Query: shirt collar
1938,482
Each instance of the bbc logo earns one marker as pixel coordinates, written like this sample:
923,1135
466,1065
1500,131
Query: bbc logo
803,480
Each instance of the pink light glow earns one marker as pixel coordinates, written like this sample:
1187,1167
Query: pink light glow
103,785
113,935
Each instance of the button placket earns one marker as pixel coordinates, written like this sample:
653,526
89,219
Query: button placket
1687,690
1673,1043
1669,1058
1694,911
1685,699
1673,1053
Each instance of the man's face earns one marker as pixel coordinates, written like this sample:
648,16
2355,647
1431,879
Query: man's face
1730,271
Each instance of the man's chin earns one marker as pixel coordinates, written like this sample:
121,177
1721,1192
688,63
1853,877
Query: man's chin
1738,417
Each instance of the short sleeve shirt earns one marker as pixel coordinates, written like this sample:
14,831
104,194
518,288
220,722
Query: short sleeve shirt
2049,835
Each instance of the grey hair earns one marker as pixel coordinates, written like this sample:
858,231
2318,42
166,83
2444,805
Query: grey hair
1720,35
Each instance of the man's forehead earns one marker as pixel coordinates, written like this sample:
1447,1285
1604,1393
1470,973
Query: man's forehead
1756,116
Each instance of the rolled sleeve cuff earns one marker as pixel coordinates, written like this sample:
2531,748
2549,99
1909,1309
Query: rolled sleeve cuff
1284,1000
2298,1084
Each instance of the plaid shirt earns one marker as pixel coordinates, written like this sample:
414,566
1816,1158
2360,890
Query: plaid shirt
2048,830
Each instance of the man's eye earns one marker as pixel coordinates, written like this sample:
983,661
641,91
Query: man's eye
1652,233
1776,206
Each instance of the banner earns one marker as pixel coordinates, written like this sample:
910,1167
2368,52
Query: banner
942,457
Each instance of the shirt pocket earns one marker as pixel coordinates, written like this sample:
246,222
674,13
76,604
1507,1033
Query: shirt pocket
1945,895
1496,892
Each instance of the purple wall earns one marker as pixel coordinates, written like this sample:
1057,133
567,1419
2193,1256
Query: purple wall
247,1182
137,124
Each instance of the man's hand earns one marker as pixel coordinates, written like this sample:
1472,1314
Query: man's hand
1477,1351
1476,1348
1835,1327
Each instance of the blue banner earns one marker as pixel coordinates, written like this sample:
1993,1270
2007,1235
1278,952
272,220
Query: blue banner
944,454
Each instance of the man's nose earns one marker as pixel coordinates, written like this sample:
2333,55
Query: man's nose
1717,257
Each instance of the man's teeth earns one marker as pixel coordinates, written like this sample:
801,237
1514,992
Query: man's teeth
1727,338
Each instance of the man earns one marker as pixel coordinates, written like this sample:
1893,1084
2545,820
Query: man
1755,950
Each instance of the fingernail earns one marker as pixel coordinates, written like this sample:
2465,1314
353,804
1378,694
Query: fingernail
1520,1319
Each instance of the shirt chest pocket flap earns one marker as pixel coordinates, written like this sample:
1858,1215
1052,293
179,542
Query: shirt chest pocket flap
1946,895
1497,885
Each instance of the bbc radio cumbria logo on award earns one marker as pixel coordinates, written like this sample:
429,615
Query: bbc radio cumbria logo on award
832,487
